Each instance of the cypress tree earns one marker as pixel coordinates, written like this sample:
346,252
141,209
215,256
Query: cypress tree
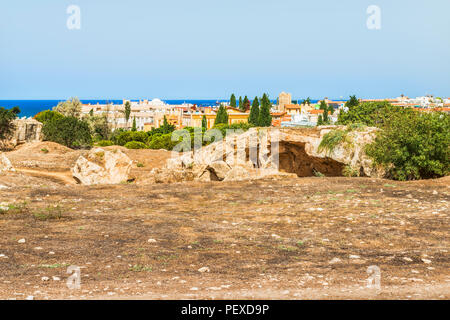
245,104
233,101
134,128
127,111
264,117
319,120
254,112
204,122
240,103
324,107
222,116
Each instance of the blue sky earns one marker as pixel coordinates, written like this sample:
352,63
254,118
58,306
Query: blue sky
178,49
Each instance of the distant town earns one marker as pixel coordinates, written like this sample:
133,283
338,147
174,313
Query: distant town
286,112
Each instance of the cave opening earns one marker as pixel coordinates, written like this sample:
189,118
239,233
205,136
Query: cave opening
294,159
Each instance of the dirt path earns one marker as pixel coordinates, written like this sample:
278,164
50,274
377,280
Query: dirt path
62,177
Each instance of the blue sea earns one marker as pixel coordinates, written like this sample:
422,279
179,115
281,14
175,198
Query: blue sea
29,108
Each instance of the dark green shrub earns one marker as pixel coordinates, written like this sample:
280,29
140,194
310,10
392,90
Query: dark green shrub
162,142
105,143
413,145
135,145
68,131
123,138
139,136
47,115
6,121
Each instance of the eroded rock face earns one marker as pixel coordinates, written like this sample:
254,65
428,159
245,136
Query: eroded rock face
102,166
5,164
273,152
27,130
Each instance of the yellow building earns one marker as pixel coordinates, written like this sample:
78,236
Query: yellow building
195,119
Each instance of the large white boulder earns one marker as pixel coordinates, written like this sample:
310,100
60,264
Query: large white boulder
102,166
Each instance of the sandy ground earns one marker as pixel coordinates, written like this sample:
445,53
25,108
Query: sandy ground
296,238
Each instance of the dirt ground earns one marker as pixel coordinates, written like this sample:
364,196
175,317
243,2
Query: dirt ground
292,238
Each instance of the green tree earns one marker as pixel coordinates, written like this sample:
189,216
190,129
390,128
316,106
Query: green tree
69,108
331,109
241,102
245,105
69,131
264,117
6,122
47,115
320,120
91,112
324,107
367,113
134,128
99,127
127,111
233,101
254,112
413,145
352,102
204,122
167,127
221,116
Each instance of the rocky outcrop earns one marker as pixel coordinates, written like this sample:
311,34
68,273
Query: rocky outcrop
5,164
102,166
26,130
273,152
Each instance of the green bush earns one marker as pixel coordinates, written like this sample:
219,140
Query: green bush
368,113
332,139
139,136
413,145
48,115
135,145
68,131
162,142
105,143
123,138
6,121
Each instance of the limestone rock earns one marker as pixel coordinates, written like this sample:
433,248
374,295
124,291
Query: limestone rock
102,166
5,164
275,153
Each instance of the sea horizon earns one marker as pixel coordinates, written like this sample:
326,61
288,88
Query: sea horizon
31,107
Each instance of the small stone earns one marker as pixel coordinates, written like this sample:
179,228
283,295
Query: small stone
435,192
407,259
426,261
45,279
151,241
335,260
29,298
194,289
56,278
21,241
353,256
38,248
51,253
203,269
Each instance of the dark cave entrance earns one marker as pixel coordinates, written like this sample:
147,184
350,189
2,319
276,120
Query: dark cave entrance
294,159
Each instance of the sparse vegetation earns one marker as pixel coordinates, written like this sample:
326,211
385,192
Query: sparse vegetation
332,139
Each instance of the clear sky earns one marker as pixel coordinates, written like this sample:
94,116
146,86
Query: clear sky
194,49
